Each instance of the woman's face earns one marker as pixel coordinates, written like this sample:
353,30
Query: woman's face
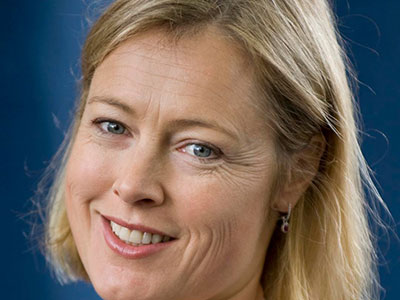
170,144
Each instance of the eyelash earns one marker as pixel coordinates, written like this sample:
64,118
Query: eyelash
215,151
99,122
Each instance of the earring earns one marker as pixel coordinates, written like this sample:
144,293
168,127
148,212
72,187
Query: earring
285,220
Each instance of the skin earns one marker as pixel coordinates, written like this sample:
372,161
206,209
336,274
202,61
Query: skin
218,207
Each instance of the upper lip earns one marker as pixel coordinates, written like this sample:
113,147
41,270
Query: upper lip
139,227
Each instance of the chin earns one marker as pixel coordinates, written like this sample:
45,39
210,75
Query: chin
121,284
121,289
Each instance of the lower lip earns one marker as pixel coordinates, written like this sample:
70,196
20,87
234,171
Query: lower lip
130,251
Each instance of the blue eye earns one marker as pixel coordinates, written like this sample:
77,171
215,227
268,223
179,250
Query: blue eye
112,127
199,150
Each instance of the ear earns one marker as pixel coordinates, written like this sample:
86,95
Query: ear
304,167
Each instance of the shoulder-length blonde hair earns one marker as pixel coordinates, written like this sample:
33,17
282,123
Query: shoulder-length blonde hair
302,77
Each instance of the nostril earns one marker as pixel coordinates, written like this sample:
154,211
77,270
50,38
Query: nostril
146,202
141,193
115,192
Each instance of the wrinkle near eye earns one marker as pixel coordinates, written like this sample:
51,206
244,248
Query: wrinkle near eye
253,159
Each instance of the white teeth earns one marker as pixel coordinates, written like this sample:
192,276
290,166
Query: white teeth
137,237
156,238
146,238
124,234
115,227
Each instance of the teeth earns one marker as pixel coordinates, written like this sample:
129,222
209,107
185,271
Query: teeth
115,227
124,234
137,237
156,238
146,238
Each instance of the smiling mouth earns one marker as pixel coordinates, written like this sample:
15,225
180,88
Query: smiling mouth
137,237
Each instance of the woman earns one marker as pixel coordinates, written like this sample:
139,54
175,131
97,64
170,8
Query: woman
213,155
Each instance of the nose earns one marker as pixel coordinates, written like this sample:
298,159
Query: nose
138,181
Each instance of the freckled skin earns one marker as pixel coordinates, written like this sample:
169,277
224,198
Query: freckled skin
218,208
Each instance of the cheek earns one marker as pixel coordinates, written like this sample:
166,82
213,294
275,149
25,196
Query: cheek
213,201
226,232
87,174
224,220
87,179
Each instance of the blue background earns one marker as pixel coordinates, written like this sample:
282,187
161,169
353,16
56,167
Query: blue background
39,59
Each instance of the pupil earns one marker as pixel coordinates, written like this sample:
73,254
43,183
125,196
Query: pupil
201,151
112,127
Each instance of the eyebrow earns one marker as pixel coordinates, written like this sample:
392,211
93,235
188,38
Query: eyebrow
113,102
187,123
174,124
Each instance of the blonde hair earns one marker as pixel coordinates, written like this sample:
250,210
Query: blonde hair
301,76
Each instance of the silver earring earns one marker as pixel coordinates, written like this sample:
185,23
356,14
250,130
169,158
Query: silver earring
285,220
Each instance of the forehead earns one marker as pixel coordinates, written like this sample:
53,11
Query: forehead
206,55
202,72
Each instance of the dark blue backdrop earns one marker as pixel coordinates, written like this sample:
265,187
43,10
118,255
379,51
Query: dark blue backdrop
39,53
